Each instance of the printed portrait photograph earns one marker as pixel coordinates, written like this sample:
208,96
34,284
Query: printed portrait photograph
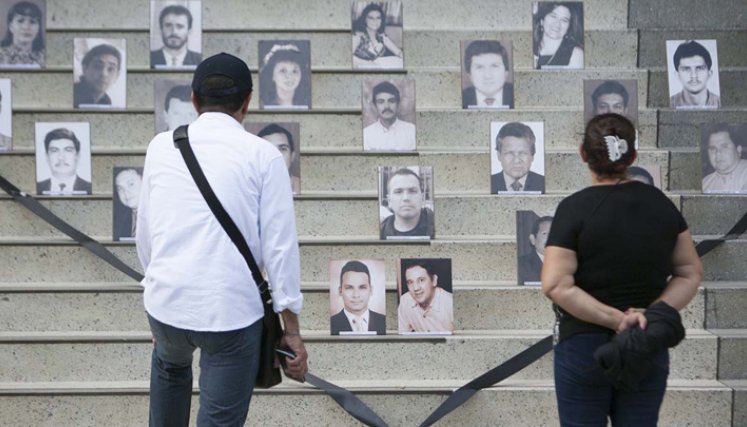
388,114
532,229
285,74
23,44
611,96
517,157
487,74
558,35
286,136
99,73
377,35
692,69
406,208
647,174
173,104
63,158
175,34
425,296
6,116
723,149
126,190
357,297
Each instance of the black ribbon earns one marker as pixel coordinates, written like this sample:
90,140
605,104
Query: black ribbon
347,400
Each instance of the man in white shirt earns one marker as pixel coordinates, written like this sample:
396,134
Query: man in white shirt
725,156
355,289
388,132
426,307
175,24
199,291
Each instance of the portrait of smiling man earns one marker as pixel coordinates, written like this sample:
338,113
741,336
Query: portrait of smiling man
486,74
101,75
426,304
62,149
407,204
386,111
693,74
357,289
513,154
173,33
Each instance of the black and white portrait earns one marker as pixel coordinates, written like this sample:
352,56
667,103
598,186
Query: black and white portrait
6,116
558,35
647,174
285,74
99,73
23,44
126,190
406,203
286,136
388,114
357,297
487,74
426,301
692,67
377,35
173,104
723,150
517,157
611,96
63,158
532,229
175,33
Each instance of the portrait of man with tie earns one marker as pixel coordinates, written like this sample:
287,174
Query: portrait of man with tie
487,74
357,297
127,182
63,158
517,157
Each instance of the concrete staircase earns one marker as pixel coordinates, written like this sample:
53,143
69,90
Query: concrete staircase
74,341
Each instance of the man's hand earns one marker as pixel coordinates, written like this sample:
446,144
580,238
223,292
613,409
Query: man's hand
295,368
632,317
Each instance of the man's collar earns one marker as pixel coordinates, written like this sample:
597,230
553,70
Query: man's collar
222,118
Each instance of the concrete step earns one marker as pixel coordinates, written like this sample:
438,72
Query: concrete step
516,403
327,14
603,48
732,80
340,130
472,260
125,356
108,307
725,305
687,14
732,353
681,129
740,401
652,51
456,216
466,172
712,214
436,88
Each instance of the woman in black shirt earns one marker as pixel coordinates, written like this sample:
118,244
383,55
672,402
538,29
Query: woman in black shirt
614,248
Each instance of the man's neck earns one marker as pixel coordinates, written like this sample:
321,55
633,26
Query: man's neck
731,169
699,98
387,123
406,224
175,52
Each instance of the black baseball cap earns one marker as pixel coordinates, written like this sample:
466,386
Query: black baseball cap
226,65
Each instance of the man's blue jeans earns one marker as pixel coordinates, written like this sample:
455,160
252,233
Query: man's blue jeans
586,398
228,364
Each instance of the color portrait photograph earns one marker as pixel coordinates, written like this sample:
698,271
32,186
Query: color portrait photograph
357,297
426,301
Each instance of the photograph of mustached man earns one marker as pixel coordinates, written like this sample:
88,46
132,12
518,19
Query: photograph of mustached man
175,34
692,66
63,158
357,297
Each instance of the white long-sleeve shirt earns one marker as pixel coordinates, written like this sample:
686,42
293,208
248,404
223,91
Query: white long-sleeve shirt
195,277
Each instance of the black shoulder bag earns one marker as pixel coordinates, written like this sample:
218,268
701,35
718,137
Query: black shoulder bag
268,375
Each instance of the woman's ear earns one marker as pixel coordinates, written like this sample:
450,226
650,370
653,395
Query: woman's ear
582,152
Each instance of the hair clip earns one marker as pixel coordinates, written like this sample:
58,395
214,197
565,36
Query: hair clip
279,47
616,147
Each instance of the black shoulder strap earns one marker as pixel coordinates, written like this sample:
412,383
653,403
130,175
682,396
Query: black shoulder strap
181,141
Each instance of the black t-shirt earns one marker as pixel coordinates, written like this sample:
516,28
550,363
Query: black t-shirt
623,236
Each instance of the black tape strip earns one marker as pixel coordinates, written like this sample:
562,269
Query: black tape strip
348,401
739,228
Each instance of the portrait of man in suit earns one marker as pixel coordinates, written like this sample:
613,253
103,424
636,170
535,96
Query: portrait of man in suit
355,289
175,24
62,150
530,263
516,146
487,69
